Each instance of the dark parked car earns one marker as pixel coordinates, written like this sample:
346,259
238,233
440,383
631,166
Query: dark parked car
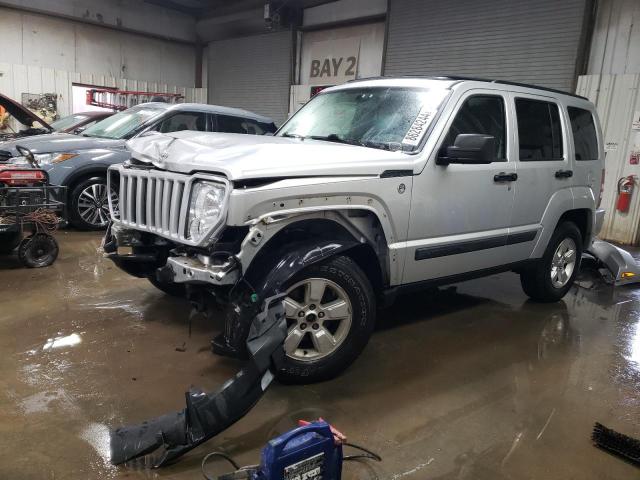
80,162
34,125
79,122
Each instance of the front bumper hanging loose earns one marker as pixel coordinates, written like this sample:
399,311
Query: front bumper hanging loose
208,414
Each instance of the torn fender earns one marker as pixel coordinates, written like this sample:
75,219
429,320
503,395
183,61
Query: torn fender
266,277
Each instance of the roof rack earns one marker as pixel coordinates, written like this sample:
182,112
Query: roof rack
476,79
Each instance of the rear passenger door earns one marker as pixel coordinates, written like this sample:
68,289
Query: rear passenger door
544,169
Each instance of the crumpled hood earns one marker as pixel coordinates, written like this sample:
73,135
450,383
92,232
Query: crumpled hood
61,142
239,156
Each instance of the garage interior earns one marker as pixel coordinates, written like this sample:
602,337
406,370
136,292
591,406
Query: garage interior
466,381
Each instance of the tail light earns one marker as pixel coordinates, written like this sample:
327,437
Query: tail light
601,189
18,178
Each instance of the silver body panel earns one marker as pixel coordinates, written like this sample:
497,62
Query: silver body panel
618,261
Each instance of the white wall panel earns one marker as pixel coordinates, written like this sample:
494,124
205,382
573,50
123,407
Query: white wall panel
48,42
615,46
18,79
617,98
136,15
37,40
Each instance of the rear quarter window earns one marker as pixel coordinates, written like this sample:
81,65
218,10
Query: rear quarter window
585,139
539,130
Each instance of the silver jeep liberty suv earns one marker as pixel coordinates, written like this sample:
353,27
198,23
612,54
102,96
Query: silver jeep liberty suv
372,188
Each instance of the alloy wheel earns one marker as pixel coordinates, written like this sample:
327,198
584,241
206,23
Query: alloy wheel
319,317
563,263
93,204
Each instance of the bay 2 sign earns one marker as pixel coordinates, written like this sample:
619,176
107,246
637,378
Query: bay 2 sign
334,68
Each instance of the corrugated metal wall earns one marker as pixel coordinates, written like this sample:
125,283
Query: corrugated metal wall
18,79
253,73
532,41
617,98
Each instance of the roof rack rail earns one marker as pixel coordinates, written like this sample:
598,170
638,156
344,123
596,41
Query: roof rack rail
461,78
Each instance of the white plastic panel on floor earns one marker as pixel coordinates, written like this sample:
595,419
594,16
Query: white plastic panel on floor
617,98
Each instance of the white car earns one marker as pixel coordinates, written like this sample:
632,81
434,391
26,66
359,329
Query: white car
373,188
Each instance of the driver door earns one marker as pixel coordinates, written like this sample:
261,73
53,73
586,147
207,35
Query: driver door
461,213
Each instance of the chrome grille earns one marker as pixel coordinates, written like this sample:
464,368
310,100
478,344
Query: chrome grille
152,200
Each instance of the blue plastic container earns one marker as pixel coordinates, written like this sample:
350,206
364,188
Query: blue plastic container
306,453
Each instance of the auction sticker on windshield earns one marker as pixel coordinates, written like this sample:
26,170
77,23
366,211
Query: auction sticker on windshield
419,127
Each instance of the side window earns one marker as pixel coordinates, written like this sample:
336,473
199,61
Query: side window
231,124
482,114
184,121
584,134
539,130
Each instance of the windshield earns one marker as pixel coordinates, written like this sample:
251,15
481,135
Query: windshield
390,118
67,122
123,123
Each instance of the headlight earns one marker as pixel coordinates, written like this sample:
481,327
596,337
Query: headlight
49,158
44,158
205,208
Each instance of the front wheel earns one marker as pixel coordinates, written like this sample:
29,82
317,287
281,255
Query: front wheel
90,204
330,311
552,276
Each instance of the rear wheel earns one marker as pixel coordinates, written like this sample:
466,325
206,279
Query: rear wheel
330,311
9,241
552,276
90,204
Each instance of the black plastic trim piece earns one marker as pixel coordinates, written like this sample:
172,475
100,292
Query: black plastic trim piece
474,79
521,237
390,294
425,253
396,173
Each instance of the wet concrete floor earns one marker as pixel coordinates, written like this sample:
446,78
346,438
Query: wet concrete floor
471,382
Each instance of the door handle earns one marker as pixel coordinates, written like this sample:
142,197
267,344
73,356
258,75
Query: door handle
564,174
505,177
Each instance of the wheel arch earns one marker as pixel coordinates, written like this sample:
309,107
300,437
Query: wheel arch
304,241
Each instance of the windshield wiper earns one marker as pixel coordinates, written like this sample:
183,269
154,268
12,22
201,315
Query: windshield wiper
292,135
337,139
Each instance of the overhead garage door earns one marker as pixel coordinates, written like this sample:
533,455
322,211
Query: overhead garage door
531,41
251,73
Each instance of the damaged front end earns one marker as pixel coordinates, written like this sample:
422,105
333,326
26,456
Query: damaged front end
255,329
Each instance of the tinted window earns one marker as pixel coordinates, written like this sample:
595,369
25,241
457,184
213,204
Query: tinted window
231,124
585,139
482,114
196,121
539,130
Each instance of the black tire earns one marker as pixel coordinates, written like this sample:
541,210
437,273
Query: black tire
82,204
343,272
173,289
38,250
537,280
9,241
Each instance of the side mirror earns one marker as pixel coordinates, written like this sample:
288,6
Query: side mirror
470,148
79,130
